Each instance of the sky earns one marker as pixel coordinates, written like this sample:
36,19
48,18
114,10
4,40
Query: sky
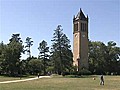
39,18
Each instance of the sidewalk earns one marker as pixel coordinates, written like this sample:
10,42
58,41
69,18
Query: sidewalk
25,79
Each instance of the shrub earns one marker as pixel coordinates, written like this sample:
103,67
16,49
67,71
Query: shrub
84,72
65,73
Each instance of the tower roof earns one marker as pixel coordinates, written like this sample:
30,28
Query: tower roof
80,16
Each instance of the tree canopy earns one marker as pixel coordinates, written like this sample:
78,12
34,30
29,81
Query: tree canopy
61,52
103,59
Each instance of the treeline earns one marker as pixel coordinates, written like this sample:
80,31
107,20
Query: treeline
104,59
55,59
58,59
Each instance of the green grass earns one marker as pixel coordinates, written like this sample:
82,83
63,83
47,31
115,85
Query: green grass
5,78
65,83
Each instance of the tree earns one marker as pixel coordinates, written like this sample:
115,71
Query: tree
104,59
23,67
43,55
56,49
29,43
12,53
96,57
67,55
112,57
35,66
2,58
61,53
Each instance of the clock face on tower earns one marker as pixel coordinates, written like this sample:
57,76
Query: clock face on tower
75,35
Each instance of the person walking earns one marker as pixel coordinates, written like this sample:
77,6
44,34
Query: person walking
101,80
38,75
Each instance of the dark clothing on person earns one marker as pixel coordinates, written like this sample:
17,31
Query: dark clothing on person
38,75
101,80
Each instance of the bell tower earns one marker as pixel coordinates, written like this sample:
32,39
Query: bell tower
80,40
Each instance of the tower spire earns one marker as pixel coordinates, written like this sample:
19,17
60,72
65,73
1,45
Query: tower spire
87,17
80,9
73,17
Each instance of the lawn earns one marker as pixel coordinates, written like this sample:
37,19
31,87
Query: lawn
65,83
5,78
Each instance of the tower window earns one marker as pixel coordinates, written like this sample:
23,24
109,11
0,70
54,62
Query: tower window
76,27
83,27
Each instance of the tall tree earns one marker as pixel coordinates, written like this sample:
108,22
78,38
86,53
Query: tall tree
12,54
2,58
29,43
67,55
61,52
43,55
56,49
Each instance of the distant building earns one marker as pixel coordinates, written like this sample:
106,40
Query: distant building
80,40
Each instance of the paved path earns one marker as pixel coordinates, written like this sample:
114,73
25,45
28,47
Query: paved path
25,79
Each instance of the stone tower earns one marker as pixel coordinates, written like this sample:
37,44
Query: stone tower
80,41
